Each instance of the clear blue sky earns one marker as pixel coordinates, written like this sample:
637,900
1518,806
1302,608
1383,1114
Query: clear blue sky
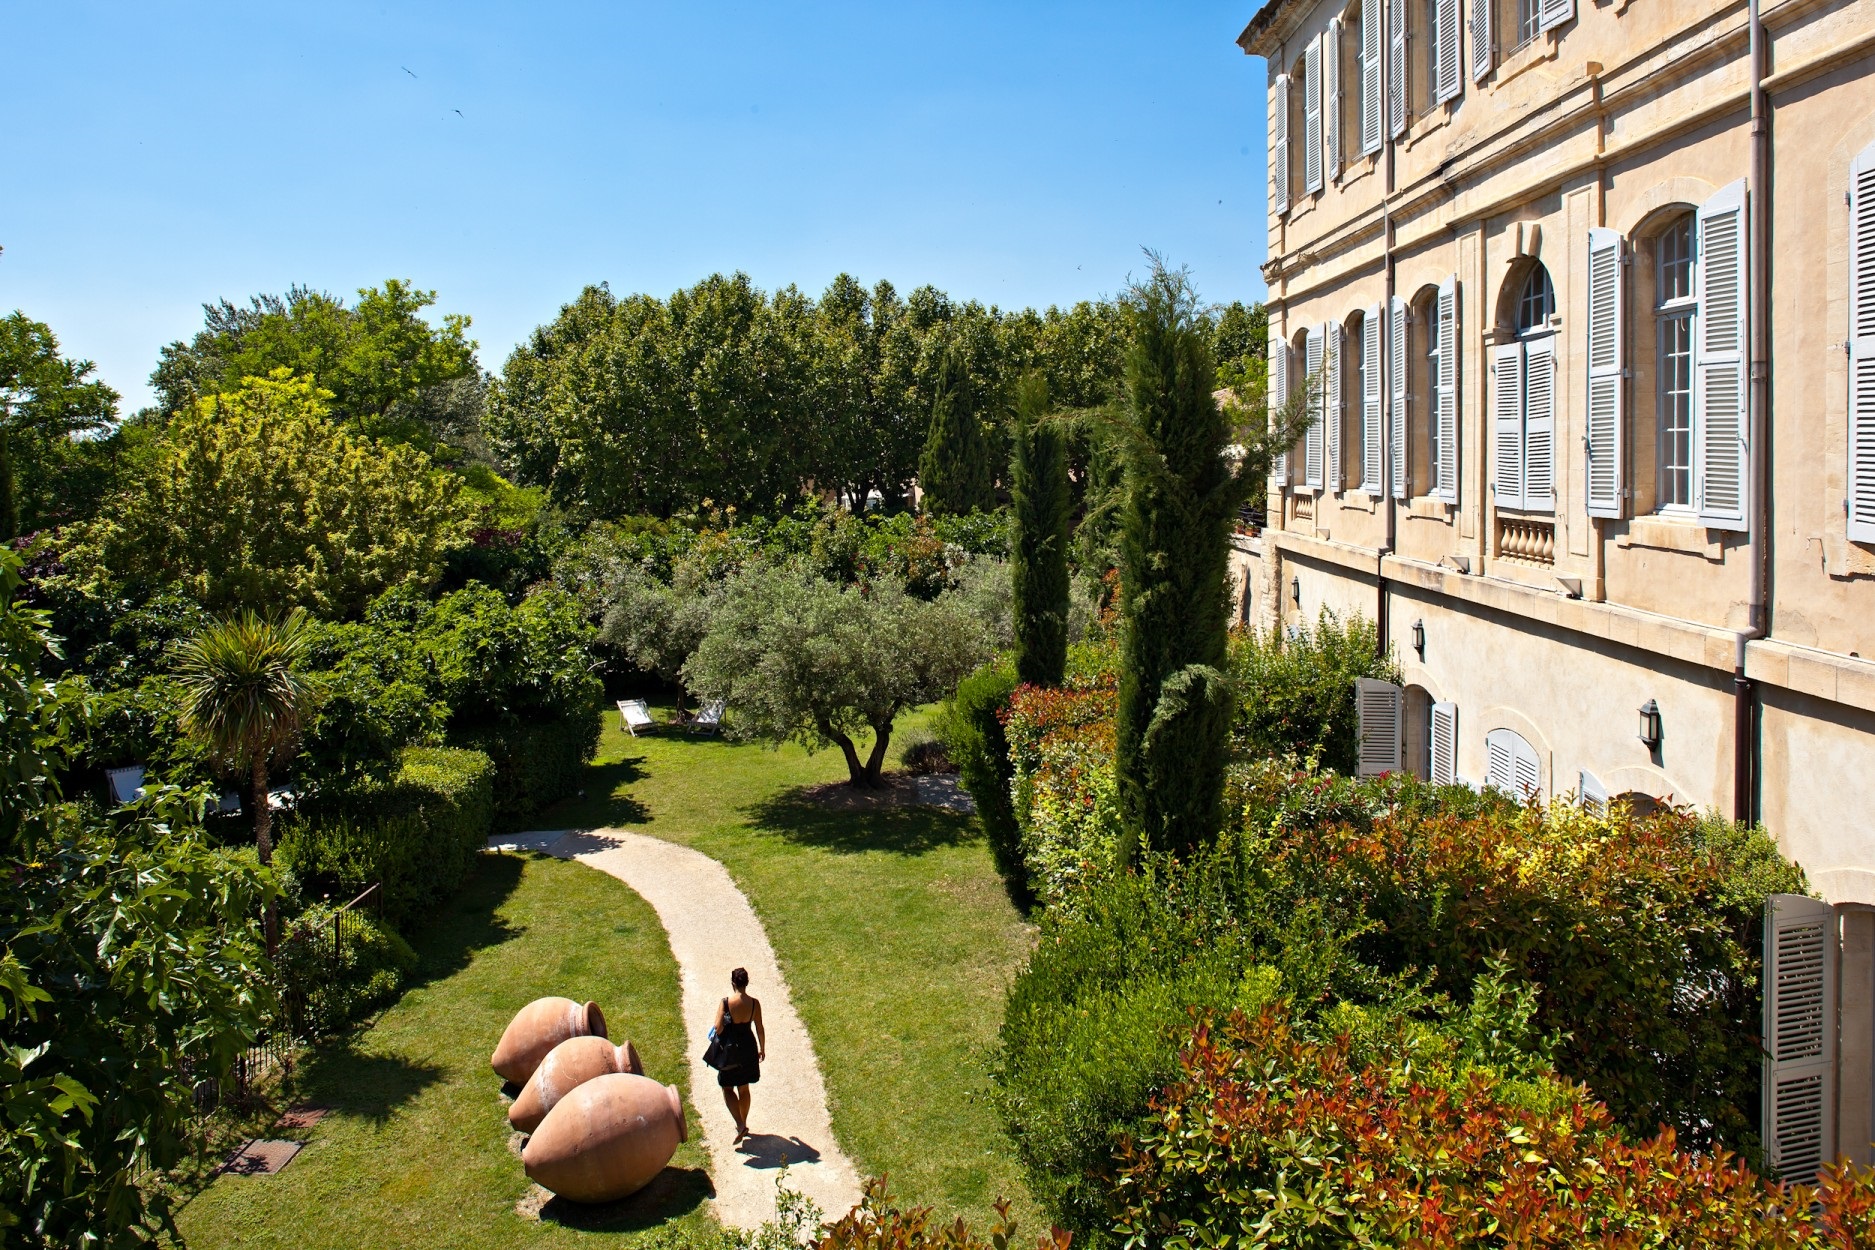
159,156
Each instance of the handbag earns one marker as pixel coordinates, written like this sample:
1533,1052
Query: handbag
716,1052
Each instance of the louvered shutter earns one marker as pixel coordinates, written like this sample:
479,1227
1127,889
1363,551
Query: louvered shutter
1862,347
1278,396
1312,115
1396,376
1332,405
1607,350
1379,705
1442,743
1500,761
1279,145
1800,1021
1507,424
1396,67
1450,78
1591,793
1370,77
1719,399
1556,12
1526,769
1483,50
1371,442
1446,471
1312,441
1539,424
1331,99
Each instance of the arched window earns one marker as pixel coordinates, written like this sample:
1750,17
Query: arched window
1511,764
1536,303
1353,448
1422,374
1523,394
1675,308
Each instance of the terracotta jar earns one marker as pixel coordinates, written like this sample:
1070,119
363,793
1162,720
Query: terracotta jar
537,1028
568,1066
606,1139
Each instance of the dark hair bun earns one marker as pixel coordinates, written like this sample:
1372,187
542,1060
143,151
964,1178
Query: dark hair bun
740,978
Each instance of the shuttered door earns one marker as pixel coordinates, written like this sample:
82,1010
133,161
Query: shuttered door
1371,442
1278,396
1442,743
1556,12
1719,398
1446,470
1449,75
1279,145
1396,67
1397,366
1483,50
1862,347
1312,441
1379,705
1604,430
1370,77
1800,1021
1539,424
1507,424
1331,99
1312,115
1332,406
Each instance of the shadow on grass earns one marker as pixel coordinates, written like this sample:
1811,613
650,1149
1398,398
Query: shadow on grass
366,1086
467,923
672,1193
602,805
905,830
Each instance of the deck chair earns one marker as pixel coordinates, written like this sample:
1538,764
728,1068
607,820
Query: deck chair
635,716
126,784
710,717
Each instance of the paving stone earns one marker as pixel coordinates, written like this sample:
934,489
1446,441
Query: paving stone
261,1157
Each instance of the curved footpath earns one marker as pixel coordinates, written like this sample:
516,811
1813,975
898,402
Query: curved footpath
713,929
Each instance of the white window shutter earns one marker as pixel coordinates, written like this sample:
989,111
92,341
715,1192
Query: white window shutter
1539,424
1442,756
1333,408
1371,443
1396,67
1446,471
1591,793
1379,705
1278,396
1607,350
1312,441
1528,771
1331,99
1862,347
1370,77
1397,367
1279,145
1450,78
1556,12
1800,1022
1511,764
1507,424
1312,115
1483,50
1720,460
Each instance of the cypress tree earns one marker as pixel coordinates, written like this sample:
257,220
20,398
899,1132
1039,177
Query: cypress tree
955,473
1039,506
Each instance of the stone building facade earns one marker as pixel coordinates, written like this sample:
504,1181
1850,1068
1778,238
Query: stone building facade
1584,291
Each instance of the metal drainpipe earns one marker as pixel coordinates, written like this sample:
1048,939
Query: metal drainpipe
1382,599
1757,531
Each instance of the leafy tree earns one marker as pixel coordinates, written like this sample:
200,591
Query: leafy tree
798,658
954,473
1039,504
256,499
657,626
45,399
1239,335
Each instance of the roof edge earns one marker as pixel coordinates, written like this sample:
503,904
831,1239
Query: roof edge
1256,35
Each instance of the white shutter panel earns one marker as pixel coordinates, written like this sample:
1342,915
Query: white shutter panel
1442,764
1312,441
1379,705
1278,397
1332,406
1556,12
1397,374
1312,115
1450,78
1591,793
1539,424
1507,424
1482,49
1719,399
1800,1010
1371,443
1528,771
1396,67
1370,77
1331,99
1446,471
1862,347
1607,350
1500,761
1279,145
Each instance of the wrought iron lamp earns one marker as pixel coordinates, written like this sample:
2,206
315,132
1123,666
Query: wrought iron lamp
1295,590
1650,724
1419,638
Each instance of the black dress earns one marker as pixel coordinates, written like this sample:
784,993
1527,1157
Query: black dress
740,1065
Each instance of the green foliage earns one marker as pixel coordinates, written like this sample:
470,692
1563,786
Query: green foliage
971,727
255,499
537,763
416,834
1063,801
955,473
878,1223
1295,690
1038,510
45,401
342,969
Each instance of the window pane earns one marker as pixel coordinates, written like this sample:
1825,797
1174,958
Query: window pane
1537,302
1676,409
1676,261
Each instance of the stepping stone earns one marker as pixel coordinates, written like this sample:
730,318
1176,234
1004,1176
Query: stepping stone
261,1157
303,1116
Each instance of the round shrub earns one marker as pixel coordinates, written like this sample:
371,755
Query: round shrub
925,756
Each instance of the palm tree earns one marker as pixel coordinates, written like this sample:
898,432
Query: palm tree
245,700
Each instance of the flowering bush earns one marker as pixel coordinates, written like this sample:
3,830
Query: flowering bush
1066,799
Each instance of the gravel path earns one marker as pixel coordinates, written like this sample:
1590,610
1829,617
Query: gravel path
712,929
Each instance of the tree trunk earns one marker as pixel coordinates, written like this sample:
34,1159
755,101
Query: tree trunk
855,771
263,845
875,763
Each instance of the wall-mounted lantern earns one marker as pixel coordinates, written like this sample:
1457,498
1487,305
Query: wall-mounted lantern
1650,724
1295,590
1419,638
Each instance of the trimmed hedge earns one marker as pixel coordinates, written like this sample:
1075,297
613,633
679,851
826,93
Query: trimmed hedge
1295,690
536,762
970,724
1065,798
417,834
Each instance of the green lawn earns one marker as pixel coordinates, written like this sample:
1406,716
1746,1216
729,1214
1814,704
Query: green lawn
891,926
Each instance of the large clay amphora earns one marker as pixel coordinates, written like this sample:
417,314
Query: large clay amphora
568,1066
606,1139
537,1028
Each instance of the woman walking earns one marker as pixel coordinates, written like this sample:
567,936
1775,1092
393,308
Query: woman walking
745,1047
